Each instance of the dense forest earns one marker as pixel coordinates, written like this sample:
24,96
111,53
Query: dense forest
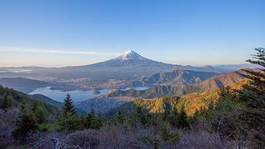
233,117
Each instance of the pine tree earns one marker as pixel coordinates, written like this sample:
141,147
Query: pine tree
68,106
182,119
254,96
7,102
40,112
142,115
26,123
173,117
92,121
257,77
120,117
167,110
70,121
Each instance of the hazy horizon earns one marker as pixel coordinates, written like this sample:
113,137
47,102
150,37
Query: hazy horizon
198,33
113,57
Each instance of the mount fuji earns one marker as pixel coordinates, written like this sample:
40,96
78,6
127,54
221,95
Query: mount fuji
129,65
130,58
131,55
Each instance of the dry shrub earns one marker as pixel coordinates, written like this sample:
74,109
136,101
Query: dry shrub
85,139
122,136
7,125
203,140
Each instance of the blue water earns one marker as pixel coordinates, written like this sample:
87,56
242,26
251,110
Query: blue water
76,95
136,88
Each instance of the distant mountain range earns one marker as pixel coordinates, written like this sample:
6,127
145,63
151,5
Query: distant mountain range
128,69
175,77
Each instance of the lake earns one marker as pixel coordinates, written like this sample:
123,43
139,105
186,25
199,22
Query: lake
136,88
76,95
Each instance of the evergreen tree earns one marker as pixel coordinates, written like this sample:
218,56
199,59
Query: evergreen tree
68,106
26,123
257,78
182,119
142,115
172,119
120,117
167,110
254,96
40,112
70,121
92,121
7,102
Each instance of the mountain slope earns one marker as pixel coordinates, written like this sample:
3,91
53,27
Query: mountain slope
22,84
191,102
127,66
211,84
102,104
175,77
17,99
158,91
129,58
47,100
221,81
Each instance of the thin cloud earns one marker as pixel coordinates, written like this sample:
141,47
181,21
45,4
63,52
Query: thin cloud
55,51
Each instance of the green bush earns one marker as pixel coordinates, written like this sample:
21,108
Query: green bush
92,121
169,136
48,127
71,122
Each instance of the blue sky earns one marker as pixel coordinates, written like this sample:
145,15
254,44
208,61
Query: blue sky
77,32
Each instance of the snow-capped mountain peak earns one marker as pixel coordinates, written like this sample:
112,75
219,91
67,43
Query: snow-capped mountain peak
129,58
131,55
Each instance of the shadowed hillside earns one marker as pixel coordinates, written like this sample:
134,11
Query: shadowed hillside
22,84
